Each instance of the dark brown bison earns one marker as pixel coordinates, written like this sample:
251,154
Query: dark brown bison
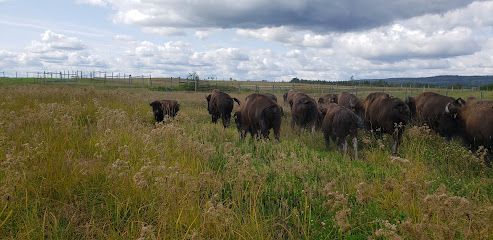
258,114
220,105
472,121
430,107
350,101
386,114
338,123
328,98
162,108
304,111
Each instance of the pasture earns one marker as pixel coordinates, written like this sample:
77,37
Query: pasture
79,162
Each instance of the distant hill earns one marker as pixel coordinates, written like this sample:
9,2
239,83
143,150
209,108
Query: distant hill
439,80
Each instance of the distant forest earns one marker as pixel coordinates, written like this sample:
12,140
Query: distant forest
484,82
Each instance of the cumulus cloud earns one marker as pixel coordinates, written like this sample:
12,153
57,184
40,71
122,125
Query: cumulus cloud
396,43
54,51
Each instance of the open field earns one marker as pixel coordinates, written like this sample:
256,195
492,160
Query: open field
85,162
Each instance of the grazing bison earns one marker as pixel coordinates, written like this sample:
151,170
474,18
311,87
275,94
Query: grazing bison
350,101
430,107
285,97
258,114
328,98
338,123
472,121
162,108
304,112
386,114
220,105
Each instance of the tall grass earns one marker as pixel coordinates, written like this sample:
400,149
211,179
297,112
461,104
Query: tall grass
80,163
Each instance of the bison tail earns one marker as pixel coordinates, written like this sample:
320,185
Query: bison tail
237,101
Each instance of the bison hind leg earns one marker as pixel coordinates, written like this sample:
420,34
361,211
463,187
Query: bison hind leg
355,147
342,144
327,141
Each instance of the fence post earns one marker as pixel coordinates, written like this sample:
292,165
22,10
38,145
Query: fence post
150,80
196,82
239,87
481,95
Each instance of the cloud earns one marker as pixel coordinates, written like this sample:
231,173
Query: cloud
288,36
165,31
54,41
206,33
397,43
54,51
93,2
314,15
124,38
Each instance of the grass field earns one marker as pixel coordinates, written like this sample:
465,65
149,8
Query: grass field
79,162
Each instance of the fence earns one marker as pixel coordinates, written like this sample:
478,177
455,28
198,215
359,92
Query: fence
178,83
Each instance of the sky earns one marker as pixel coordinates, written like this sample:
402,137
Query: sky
274,40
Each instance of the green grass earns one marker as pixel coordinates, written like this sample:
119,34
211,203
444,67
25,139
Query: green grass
82,162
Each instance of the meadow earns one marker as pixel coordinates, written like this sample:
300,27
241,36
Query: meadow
84,162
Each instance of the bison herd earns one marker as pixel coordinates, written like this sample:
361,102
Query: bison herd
343,114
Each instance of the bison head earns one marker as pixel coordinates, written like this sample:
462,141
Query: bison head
208,98
449,122
237,117
285,97
411,103
157,109
401,111
356,107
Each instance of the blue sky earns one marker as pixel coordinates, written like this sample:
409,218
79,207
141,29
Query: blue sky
249,39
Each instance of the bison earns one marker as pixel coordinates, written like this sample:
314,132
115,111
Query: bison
220,105
386,114
289,96
328,98
350,101
258,114
338,123
162,108
472,121
430,107
304,112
